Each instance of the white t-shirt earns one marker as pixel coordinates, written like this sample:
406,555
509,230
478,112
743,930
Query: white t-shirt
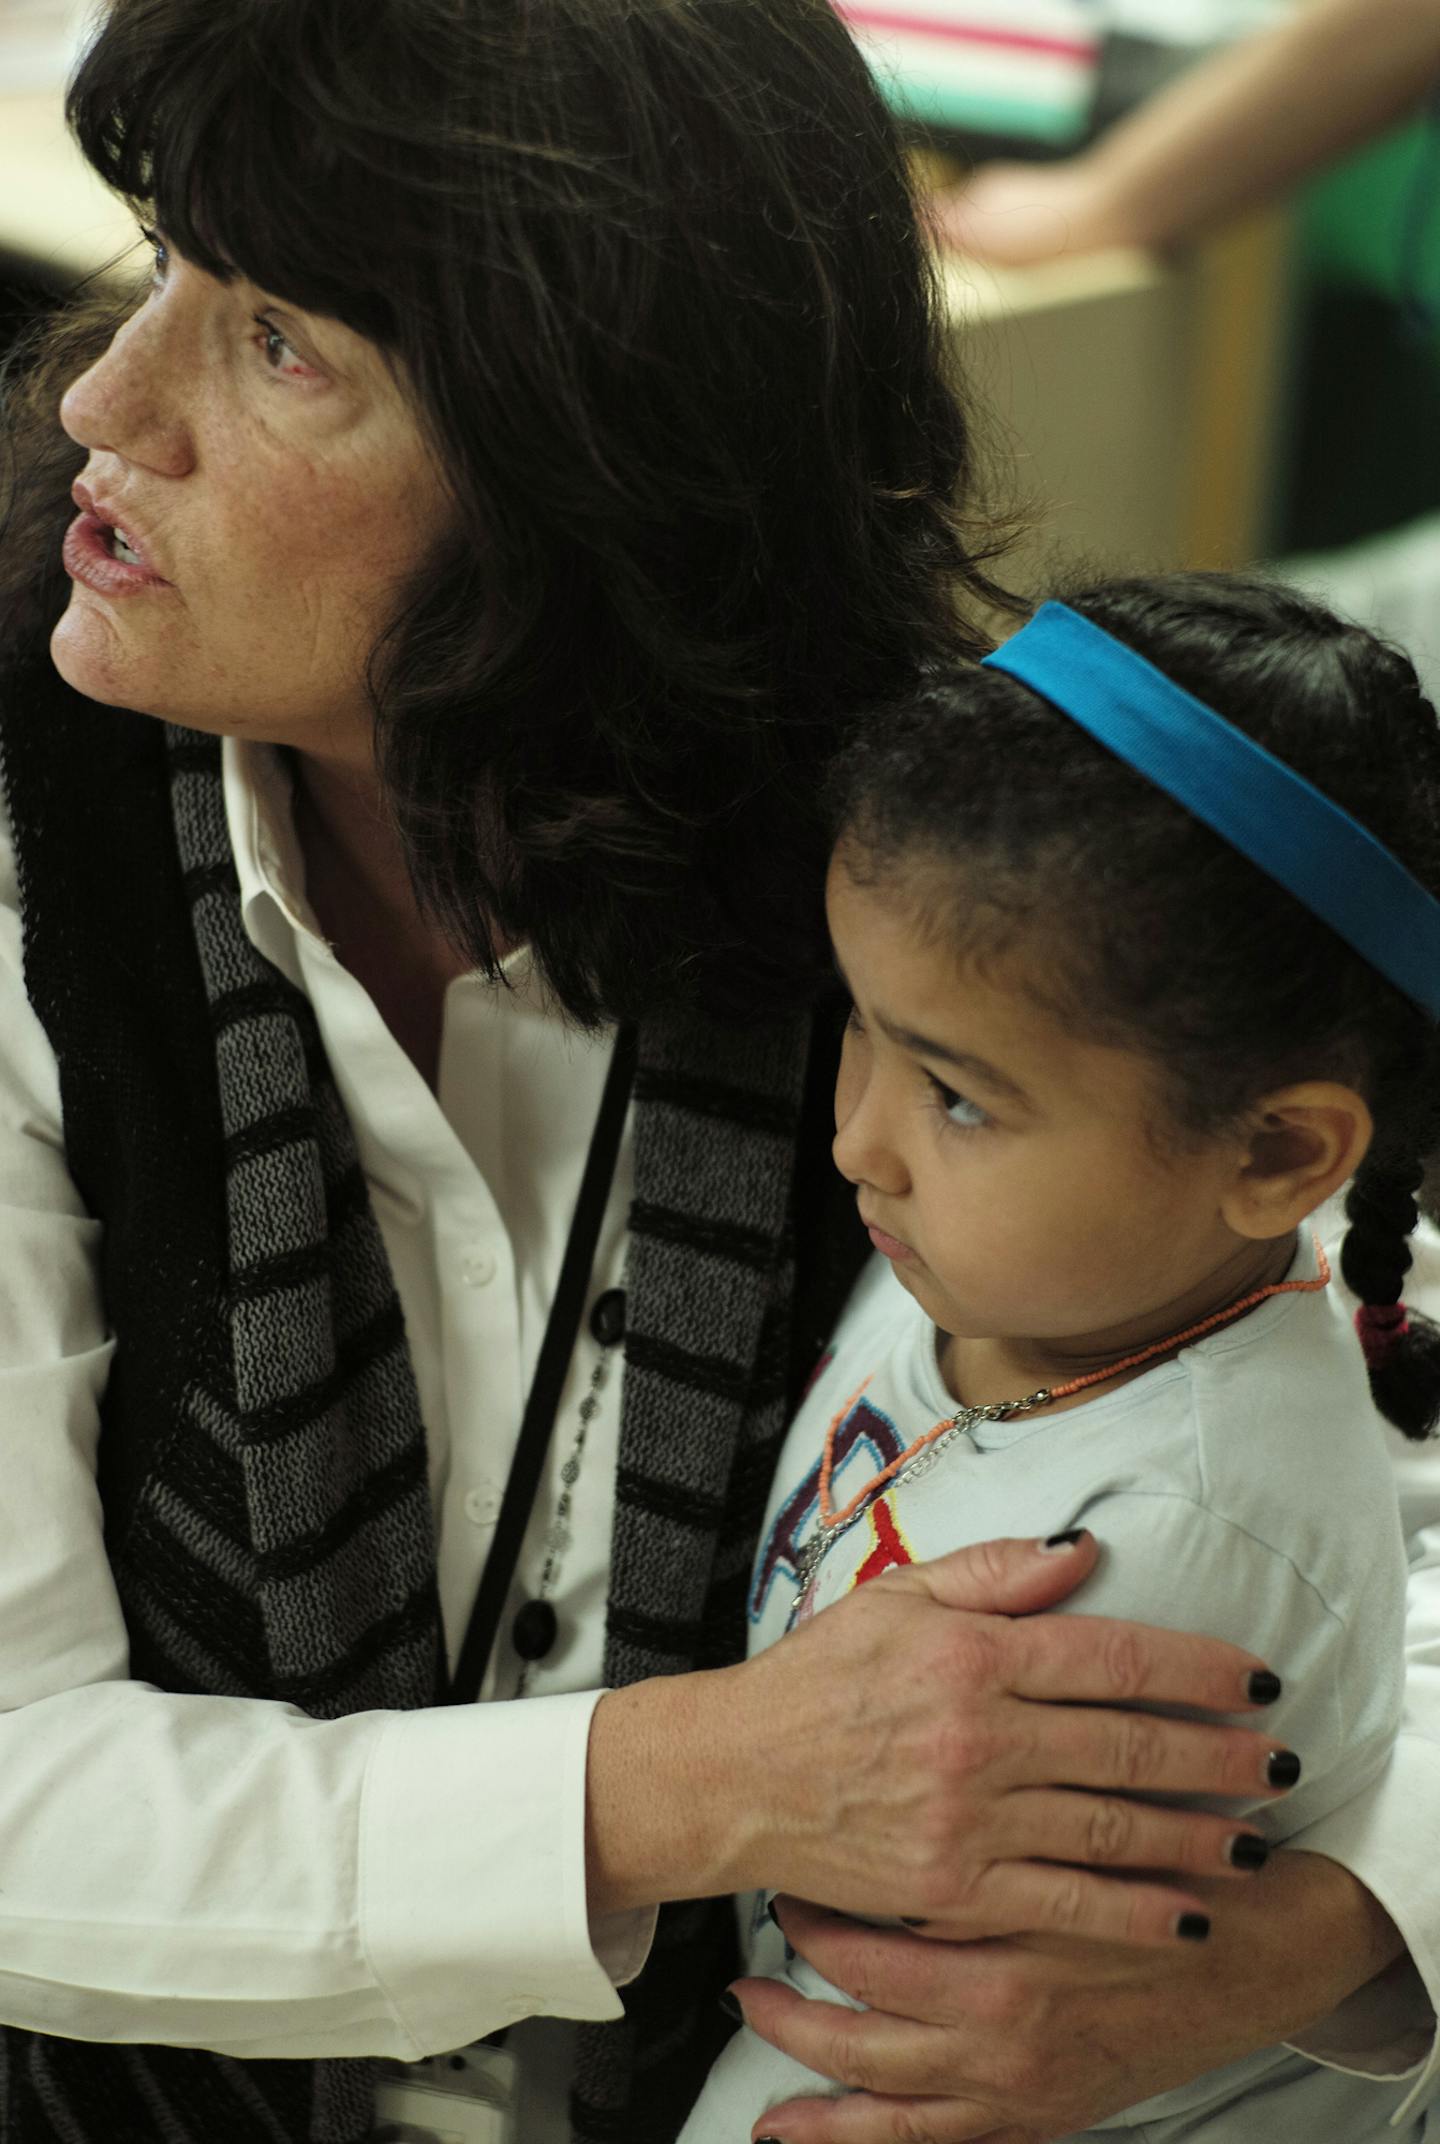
1242,1489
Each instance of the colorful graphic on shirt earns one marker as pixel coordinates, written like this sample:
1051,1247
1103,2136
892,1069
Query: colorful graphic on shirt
865,1431
889,1547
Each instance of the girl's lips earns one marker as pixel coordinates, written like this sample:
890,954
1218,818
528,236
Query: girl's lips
888,1246
87,558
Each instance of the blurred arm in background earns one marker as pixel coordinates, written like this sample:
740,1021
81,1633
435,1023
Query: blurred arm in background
1240,128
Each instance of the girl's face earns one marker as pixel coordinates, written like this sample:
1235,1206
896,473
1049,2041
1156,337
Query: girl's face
1008,1169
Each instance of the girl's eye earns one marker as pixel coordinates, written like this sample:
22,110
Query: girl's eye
959,1110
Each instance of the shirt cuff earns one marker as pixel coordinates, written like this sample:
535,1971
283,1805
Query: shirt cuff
1388,2027
472,1873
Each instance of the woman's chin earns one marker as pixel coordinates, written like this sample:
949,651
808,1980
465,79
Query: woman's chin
86,650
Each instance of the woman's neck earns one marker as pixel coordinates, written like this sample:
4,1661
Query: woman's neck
979,1371
348,839
358,887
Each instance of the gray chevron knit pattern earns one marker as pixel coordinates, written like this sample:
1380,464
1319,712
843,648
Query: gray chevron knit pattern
320,1411
709,1282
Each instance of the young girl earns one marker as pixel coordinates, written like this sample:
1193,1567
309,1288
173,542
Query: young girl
1132,999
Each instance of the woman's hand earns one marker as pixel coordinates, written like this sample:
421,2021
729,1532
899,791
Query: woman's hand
918,1748
1033,2038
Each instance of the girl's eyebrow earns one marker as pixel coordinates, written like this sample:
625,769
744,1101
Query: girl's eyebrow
976,1068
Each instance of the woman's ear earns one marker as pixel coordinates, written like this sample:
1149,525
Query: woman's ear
1303,1143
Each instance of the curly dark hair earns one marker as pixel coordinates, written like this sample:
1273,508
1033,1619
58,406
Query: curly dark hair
652,272
1156,934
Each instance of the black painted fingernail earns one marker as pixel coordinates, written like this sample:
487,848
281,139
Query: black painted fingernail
1068,1539
732,2008
767,2140
909,1920
1283,1769
1248,1850
1263,1688
1193,1927
774,1919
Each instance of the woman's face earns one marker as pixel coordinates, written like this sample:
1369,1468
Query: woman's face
275,489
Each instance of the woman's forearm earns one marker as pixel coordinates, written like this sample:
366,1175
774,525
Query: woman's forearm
1244,126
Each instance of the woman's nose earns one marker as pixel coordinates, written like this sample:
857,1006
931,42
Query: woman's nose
129,404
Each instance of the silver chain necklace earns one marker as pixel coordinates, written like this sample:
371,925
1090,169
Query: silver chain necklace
960,1424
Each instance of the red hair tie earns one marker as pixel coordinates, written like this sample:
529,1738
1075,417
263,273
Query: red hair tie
1381,1326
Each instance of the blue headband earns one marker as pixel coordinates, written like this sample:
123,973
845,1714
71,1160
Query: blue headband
1242,792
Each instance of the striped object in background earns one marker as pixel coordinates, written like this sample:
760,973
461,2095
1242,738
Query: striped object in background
1010,67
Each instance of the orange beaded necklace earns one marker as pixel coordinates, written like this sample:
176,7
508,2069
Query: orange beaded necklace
831,1524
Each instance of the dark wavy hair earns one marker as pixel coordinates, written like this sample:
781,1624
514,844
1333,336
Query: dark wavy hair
651,270
1002,819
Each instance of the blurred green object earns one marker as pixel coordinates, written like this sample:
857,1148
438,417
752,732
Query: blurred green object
1373,221
1363,448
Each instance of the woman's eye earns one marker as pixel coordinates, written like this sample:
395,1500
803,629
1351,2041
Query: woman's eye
958,1108
159,254
279,355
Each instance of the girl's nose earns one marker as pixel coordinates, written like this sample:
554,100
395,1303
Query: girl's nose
129,403
864,1149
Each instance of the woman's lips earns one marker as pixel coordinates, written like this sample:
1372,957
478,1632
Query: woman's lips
88,559
888,1246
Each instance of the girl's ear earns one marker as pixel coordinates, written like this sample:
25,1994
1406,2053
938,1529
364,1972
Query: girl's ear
1304,1142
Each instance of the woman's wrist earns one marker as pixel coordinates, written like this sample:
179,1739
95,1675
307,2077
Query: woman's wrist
1361,1940
671,1801
1299,1943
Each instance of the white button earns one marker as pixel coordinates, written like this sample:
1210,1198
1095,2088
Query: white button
482,1506
478,1268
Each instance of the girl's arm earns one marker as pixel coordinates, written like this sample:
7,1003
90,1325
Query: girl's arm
1051,2038
1233,133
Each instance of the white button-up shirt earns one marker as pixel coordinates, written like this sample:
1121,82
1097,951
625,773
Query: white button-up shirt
226,1873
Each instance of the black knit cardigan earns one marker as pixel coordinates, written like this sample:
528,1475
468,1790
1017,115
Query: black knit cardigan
112,969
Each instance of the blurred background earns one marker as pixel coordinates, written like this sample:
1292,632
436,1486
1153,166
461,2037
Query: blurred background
1264,387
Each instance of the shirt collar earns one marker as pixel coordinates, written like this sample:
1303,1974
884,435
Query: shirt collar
260,811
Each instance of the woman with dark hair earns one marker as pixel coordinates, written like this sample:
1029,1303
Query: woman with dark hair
530,447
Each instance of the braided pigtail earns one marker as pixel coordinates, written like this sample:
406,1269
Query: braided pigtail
1402,1348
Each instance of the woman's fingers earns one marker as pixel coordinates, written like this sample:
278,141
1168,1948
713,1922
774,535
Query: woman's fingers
1006,1576
865,2051
1093,1660
863,2120
1049,1898
1106,1831
1140,1753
